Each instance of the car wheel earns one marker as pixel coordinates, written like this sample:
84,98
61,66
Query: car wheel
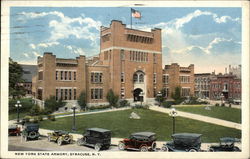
192,150
121,146
32,135
59,141
153,146
144,149
97,147
211,150
165,148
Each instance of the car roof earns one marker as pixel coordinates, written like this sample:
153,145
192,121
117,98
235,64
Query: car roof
186,135
98,130
147,134
229,139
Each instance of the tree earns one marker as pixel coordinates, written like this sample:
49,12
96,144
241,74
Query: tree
112,98
177,93
51,104
16,90
82,100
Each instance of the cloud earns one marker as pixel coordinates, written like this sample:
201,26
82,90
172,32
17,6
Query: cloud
32,46
26,55
36,54
79,51
48,44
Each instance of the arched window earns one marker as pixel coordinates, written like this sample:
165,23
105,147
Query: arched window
135,78
141,78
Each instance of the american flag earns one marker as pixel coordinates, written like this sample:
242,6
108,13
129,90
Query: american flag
135,13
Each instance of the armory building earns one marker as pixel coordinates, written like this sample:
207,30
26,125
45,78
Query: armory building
129,63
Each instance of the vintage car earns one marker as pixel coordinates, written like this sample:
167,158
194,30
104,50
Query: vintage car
60,137
30,131
189,142
14,130
96,137
142,141
226,144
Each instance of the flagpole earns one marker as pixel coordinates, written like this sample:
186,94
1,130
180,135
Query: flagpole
131,18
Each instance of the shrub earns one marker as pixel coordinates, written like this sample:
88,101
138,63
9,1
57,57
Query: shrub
168,104
51,105
99,107
82,100
25,102
35,110
138,106
217,104
112,98
123,103
223,104
230,105
40,118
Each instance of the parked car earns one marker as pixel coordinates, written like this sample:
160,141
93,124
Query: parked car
189,142
226,144
30,131
142,141
14,130
96,137
60,137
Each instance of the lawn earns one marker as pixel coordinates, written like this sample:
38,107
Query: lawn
122,126
14,115
225,113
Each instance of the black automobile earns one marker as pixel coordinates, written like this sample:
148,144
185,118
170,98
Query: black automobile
30,131
183,142
96,137
226,144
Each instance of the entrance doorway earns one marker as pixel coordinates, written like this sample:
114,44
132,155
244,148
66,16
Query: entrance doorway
137,97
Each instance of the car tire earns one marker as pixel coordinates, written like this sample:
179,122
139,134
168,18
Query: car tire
121,146
211,150
59,141
192,150
153,146
144,149
97,147
32,135
165,149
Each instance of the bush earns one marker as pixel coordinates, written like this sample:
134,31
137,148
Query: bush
40,118
25,102
99,107
168,104
138,106
123,103
112,98
51,105
82,100
35,110
223,104
217,104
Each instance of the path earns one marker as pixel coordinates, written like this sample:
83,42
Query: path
199,117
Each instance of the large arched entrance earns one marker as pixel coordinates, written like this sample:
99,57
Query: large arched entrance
138,95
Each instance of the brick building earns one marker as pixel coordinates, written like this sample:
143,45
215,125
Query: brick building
28,72
129,63
176,76
225,86
202,84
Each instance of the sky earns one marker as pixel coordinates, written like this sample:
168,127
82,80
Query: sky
209,38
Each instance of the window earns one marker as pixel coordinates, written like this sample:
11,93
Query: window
70,94
185,92
56,75
154,78
96,77
141,78
122,93
165,79
61,94
69,75
155,58
96,93
74,94
40,75
40,94
122,77
122,55
185,79
61,75
74,75
65,75
135,77
66,94
56,93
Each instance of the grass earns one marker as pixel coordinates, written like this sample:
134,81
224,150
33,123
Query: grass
122,126
225,113
13,115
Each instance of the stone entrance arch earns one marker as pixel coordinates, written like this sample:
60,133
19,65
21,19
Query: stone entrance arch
137,96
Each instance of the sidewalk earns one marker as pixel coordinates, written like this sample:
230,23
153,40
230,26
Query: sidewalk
199,117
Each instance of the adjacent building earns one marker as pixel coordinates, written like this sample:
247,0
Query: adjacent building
28,72
202,85
176,76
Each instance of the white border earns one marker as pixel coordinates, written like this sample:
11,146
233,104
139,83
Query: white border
245,71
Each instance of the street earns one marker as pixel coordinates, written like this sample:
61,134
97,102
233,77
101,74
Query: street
17,144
